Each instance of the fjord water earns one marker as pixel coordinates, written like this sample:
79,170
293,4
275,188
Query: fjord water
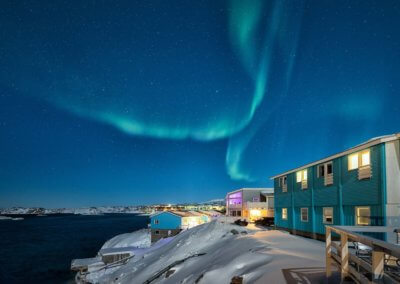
40,249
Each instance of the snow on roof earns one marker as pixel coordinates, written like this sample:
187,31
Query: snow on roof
120,250
261,189
359,147
178,213
85,262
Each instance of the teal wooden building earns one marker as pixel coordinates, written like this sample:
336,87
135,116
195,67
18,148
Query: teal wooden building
357,187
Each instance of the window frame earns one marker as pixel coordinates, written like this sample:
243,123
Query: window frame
358,216
303,174
301,214
156,221
324,216
359,156
320,166
286,213
360,162
284,182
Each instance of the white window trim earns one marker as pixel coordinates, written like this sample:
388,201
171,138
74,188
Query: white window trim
286,214
301,214
325,166
356,215
323,215
359,158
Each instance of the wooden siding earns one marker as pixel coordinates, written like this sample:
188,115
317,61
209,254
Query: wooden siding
346,192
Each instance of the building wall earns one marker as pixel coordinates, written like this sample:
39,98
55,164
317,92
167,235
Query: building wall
157,234
166,220
392,181
343,195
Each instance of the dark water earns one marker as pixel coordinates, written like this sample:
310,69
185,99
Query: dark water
40,249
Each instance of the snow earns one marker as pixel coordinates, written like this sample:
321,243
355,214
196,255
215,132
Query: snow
256,254
10,218
78,263
83,211
138,239
5,218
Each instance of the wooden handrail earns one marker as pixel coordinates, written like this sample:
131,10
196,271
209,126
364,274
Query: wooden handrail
343,257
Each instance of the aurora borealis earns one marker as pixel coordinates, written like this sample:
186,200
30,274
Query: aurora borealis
171,101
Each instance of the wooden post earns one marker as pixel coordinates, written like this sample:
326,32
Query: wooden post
378,257
344,255
328,251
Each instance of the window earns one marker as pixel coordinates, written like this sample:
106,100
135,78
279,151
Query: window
304,214
353,161
284,213
283,183
321,170
301,176
156,221
239,213
235,198
157,232
329,168
363,216
365,158
360,159
298,176
327,215
256,199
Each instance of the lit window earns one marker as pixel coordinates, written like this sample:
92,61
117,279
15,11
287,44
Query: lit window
353,161
305,175
304,214
328,215
301,176
284,213
298,176
363,216
365,158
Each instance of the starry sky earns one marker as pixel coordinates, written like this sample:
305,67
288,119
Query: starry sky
140,102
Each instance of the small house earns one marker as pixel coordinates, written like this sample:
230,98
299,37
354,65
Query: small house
170,223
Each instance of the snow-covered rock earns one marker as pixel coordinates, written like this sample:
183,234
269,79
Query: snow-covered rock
139,239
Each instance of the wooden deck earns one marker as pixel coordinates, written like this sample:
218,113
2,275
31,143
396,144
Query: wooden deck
378,265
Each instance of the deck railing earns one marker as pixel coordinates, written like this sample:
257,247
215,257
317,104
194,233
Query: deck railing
380,265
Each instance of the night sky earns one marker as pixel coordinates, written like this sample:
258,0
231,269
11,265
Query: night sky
139,102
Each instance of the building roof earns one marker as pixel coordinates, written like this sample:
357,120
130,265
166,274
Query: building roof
260,189
359,147
178,213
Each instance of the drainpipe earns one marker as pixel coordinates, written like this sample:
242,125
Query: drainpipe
314,234
292,197
383,183
340,193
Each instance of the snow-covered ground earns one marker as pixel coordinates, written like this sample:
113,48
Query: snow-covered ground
216,252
